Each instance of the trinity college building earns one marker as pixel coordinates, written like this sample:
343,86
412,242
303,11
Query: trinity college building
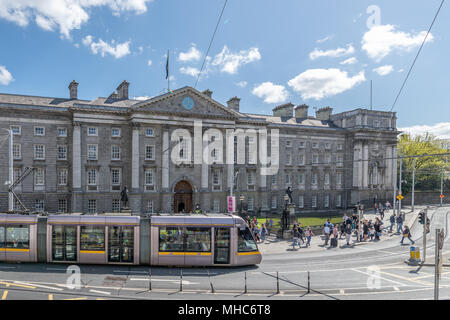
81,154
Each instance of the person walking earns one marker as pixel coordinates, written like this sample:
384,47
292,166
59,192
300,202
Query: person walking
407,234
295,235
263,232
377,228
301,233
326,232
365,230
308,235
348,233
343,229
388,205
399,221
392,221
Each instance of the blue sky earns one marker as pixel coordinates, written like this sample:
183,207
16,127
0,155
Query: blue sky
321,53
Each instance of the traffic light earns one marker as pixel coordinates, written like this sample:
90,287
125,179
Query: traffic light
422,217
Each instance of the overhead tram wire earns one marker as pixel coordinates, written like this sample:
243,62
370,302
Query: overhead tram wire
414,62
210,43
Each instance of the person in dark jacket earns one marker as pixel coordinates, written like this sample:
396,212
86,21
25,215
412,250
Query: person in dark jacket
406,234
377,227
399,221
392,220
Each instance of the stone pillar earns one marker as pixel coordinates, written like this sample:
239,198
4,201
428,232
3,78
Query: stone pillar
135,158
365,166
77,199
165,161
357,165
388,171
205,167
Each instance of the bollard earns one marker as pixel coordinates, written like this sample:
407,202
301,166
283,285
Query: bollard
181,280
278,284
150,279
309,287
245,277
212,288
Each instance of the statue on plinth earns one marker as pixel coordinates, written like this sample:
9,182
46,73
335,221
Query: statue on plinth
124,197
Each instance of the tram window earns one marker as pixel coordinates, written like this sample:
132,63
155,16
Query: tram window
198,239
2,237
246,242
92,238
171,239
17,237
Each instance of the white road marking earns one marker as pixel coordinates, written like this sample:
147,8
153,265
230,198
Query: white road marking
96,291
163,280
56,269
396,289
123,271
342,291
38,285
381,278
7,267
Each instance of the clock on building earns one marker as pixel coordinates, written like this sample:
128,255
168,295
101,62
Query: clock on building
188,103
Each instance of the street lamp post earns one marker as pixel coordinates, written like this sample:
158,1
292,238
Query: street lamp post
241,198
285,217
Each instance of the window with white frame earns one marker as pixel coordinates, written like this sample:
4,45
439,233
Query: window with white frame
250,204
338,200
300,202
216,177
62,176
288,179
315,159
274,202
149,132
115,176
92,177
327,178
274,179
328,159
340,146
92,152
115,132
301,159
16,130
39,176
62,152
315,145
216,205
92,131
183,150
92,206
340,162
250,178
149,177
301,178
62,132
314,179
39,205
115,152
339,178
115,205
326,201
149,152
288,159
62,206
39,131
39,151
17,154
149,206
314,201
301,144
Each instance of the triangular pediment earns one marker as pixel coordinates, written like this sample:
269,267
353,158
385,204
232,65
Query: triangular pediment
187,102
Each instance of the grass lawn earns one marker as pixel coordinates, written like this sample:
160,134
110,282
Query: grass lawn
305,221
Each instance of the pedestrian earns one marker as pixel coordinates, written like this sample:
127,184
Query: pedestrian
295,235
308,234
344,218
348,233
270,225
375,208
406,234
399,221
301,232
342,229
365,230
392,220
335,231
377,228
263,232
326,232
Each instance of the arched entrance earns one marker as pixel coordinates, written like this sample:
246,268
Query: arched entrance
182,200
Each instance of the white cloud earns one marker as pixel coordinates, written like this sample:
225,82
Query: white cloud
5,76
325,39
230,62
142,98
381,40
322,83
190,71
270,92
149,63
65,15
351,60
440,130
339,52
384,70
242,84
193,54
116,50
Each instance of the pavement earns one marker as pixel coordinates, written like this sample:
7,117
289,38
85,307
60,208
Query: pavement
273,245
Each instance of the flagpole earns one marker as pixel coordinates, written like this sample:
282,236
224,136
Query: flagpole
168,73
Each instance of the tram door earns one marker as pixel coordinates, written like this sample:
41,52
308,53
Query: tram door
64,243
121,244
222,246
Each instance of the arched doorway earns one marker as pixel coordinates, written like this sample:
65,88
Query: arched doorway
182,199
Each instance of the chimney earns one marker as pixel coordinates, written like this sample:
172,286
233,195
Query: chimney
324,114
233,103
122,90
284,110
207,92
73,90
301,111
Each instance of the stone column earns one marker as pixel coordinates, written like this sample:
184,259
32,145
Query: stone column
365,166
165,161
388,171
77,192
357,165
135,158
205,166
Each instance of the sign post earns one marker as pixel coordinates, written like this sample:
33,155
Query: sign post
438,261
231,204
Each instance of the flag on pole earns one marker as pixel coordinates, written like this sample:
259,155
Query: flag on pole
167,65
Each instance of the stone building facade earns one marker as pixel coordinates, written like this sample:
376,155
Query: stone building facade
84,152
